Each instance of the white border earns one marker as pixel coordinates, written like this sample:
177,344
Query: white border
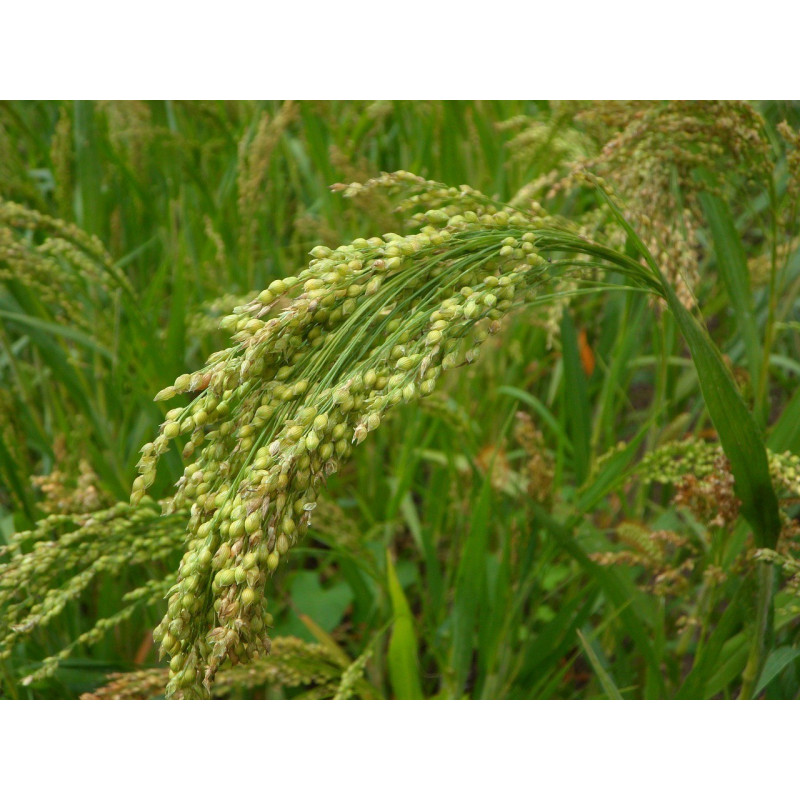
399,749
410,50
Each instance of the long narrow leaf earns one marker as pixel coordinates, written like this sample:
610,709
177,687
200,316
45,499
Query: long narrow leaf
576,399
738,433
732,266
402,659
606,681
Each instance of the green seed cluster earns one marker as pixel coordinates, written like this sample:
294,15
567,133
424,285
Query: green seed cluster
59,261
664,157
320,359
50,566
671,462
353,676
292,663
784,469
140,597
659,156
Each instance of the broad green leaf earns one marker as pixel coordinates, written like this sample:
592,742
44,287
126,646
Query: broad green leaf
738,433
402,658
777,662
732,266
326,606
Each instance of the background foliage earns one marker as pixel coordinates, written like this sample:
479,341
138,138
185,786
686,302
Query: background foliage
556,521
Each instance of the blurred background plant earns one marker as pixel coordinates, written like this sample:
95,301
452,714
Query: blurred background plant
556,522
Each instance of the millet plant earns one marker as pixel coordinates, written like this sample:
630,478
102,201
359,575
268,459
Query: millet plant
318,359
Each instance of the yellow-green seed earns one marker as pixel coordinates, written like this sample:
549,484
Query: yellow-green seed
320,422
249,561
405,363
433,337
226,578
326,451
288,526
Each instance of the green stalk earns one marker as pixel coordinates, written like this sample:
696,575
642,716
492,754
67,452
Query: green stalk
772,305
762,630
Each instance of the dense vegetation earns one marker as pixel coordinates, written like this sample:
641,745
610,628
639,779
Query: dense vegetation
538,406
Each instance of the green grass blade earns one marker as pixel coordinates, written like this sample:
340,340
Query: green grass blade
576,400
785,435
705,664
731,662
613,588
777,662
732,266
402,658
470,588
28,322
739,435
606,681
542,411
